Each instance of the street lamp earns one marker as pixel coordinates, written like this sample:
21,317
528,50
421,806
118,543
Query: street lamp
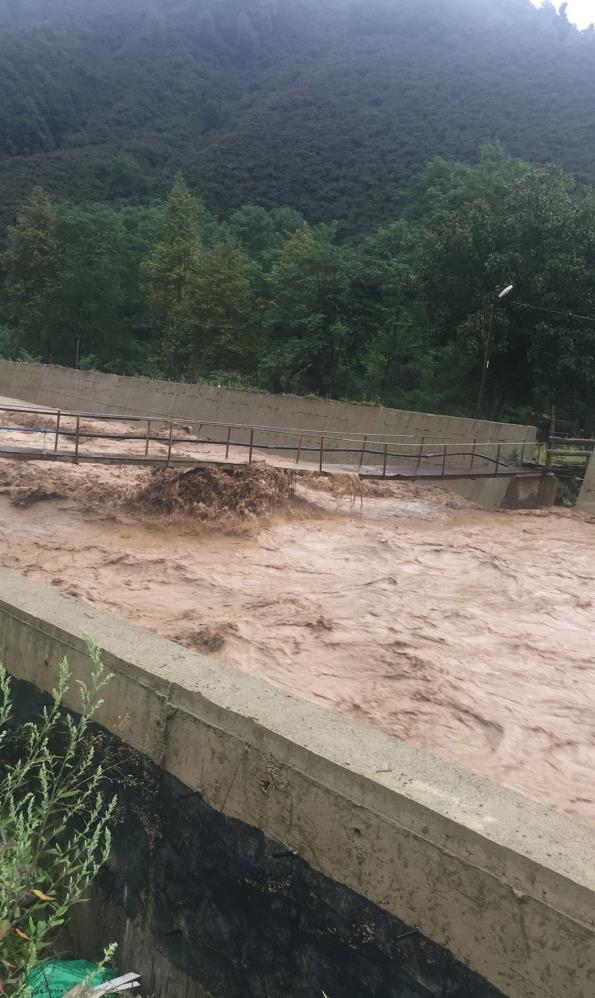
500,296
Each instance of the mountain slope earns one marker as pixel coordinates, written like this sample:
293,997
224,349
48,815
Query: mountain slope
328,105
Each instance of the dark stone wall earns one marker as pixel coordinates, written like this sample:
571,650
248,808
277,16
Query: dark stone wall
242,916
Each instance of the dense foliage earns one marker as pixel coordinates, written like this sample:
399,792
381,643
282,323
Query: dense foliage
55,821
265,298
328,106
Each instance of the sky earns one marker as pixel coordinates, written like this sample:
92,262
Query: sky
582,12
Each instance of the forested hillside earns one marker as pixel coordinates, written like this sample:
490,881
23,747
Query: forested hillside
330,106
264,298
297,195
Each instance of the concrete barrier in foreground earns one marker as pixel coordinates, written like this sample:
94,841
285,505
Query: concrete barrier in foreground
272,847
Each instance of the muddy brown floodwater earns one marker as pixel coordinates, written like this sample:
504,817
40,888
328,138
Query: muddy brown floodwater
465,632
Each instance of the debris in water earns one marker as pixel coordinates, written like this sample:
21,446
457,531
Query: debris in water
209,493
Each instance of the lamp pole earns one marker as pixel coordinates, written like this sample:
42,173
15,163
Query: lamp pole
487,360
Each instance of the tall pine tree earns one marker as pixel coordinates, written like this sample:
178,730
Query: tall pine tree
169,275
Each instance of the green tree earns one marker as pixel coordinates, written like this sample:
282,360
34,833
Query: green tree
11,346
445,185
72,284
310,317
90,291
263,233
169,275
399,358
106,321
137,348
254,228
222,309
33,263
536,231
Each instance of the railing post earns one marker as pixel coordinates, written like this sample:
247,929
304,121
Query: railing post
299,450
148,437
76,439
321,454
523,452
58,421
171,433
498,452
251,445
421,453
385,460
444,459
361,457
227,443
473,453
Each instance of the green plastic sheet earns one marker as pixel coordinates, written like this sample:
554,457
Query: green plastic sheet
57,977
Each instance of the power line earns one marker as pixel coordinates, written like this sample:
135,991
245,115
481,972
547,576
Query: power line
552,311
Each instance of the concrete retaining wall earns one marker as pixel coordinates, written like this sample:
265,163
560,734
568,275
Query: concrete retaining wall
535,492
503,886
91,392
200,405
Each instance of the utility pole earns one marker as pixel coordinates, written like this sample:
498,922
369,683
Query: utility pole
487,360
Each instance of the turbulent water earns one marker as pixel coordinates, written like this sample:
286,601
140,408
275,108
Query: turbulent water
465,632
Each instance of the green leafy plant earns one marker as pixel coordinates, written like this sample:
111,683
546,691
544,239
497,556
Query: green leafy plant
54,820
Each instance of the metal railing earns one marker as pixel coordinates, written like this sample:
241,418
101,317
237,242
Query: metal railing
157,440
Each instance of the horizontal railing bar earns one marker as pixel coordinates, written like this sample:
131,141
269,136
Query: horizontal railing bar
272,447
185,421
155,438
181,421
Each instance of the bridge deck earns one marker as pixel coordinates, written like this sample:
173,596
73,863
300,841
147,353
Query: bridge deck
395,472
158,442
